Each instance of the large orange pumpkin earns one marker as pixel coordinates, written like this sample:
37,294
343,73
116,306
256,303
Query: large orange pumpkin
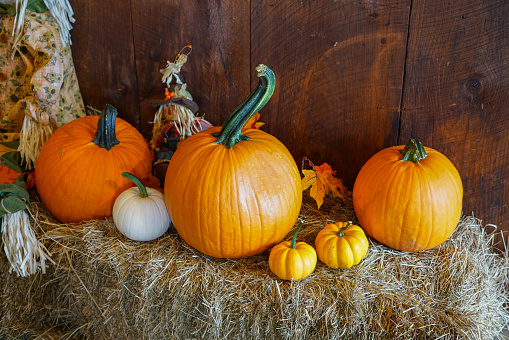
230,192
408,197
78,172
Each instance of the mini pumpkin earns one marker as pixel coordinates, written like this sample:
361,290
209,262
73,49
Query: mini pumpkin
140,212
77,174
408,197
292,260
341,245
231,192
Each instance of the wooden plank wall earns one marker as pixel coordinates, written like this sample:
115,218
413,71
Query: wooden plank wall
353,77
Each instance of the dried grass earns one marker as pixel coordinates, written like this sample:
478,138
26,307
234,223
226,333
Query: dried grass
22,332
105,286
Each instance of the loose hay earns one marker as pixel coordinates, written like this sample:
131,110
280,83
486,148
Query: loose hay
105,286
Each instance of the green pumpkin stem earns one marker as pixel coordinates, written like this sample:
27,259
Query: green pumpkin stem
413,151
294,238
230,133
139,184
105,135
341,232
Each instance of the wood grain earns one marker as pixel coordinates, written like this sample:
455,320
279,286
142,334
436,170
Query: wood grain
456,96
217,71
339,67
353,77
103,52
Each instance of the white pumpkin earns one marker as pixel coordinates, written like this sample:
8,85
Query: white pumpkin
140,213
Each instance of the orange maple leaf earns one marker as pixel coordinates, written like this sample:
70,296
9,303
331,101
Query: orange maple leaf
322,181
253,123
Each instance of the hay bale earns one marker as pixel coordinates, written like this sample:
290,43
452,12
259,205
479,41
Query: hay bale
23,332
105,286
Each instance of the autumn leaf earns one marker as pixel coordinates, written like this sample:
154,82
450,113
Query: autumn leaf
322,181
253,123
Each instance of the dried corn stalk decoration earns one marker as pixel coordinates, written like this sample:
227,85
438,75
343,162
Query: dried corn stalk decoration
61,10
177,111
25,253
22,248
35,129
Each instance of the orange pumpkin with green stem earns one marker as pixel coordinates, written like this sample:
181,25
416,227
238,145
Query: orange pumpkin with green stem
292,260
341,245
77,174
233,193
408,197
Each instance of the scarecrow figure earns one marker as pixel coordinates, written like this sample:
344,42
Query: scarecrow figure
39,92
176,117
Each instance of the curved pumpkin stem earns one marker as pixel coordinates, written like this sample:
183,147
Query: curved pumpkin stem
105,135
341,232
413,151
294,238
139,184
230,133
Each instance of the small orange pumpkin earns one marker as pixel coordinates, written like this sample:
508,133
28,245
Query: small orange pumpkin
230,192
292,261
408,197
341,245
78,172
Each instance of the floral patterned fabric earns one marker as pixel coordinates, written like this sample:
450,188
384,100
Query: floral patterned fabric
39,92
37,76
